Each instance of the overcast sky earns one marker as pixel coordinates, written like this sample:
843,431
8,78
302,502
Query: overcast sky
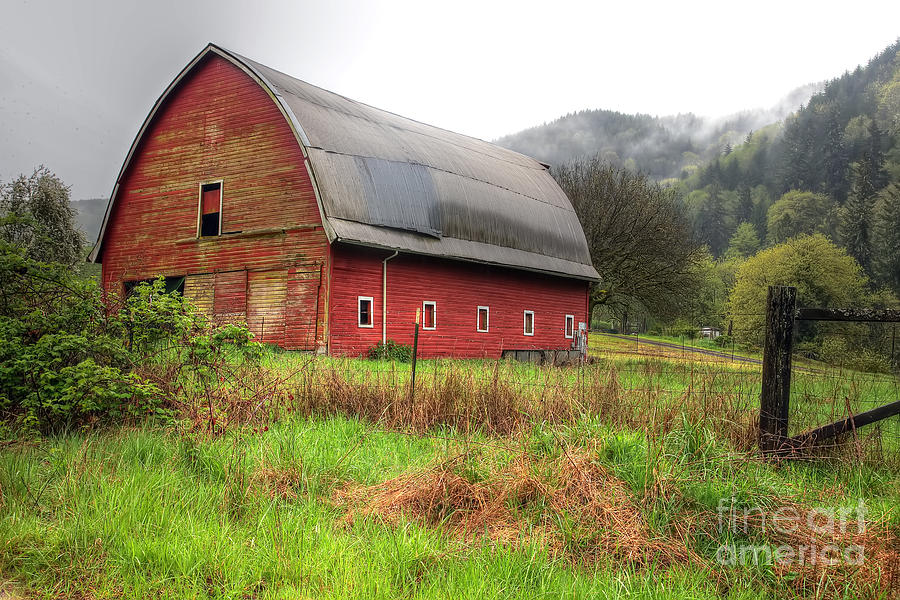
78,78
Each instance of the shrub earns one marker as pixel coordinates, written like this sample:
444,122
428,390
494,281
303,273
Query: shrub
684,329
66,359
723,341
62,360
390,350
836,351
604,326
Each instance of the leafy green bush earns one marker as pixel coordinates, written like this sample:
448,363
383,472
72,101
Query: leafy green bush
390,350
681,328
836,350
67,359
604,326
723,341
62,360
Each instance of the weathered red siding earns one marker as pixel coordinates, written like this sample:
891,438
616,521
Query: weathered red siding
272,267
458,288
219,124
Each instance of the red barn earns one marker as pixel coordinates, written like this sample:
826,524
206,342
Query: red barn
326,224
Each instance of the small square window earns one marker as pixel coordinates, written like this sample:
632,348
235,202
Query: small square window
210,221
429,315
482,320
365,311
529,322
570,326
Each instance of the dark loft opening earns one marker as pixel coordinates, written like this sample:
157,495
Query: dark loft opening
173,284
210,209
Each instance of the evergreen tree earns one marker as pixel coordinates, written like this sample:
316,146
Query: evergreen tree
744,210
855,229
835,158
875,151
886,237
712,174
712,222
869,178
744,243
731,175
762,201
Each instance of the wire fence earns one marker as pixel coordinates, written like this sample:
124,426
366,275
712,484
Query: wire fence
647,384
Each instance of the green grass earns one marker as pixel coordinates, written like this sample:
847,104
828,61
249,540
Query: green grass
257,511
151,513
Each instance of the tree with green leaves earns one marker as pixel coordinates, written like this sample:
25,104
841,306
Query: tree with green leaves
640,241
798,212
35,215
824,275
744,243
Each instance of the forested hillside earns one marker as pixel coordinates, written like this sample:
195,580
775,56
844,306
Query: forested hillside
662,147
833,167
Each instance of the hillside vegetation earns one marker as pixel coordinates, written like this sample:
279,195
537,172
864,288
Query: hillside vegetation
661,147
833,167
819,187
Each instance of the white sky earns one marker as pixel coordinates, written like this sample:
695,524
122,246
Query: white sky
78,78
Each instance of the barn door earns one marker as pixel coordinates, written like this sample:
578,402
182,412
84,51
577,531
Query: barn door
230,298
302,307
266,292
200,289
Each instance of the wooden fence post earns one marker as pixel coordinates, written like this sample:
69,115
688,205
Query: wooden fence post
415,353
781,306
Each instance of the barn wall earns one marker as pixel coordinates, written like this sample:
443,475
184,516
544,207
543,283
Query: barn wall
458,289
221,125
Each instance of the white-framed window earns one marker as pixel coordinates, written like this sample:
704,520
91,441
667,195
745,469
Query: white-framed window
364,311
529,322
570,326
209,209
429,315
482,321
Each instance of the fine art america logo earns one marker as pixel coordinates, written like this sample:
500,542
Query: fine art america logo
814,536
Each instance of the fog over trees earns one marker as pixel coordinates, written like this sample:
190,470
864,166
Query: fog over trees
662,147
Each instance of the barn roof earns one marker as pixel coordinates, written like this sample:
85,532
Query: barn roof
390,182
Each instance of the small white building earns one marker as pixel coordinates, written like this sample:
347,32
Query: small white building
710,333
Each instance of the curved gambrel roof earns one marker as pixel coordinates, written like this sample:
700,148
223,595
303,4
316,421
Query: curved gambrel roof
390,182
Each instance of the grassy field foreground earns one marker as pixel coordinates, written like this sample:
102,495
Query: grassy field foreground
477,489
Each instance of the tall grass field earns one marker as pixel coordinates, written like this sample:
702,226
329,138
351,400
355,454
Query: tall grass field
635,475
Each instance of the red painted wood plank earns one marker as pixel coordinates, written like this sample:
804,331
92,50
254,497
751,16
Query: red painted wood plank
219,124
458,289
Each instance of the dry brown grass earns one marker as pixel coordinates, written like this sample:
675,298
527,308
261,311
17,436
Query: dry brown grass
572,504
279,483
469,401
588,516
583,512
878,573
